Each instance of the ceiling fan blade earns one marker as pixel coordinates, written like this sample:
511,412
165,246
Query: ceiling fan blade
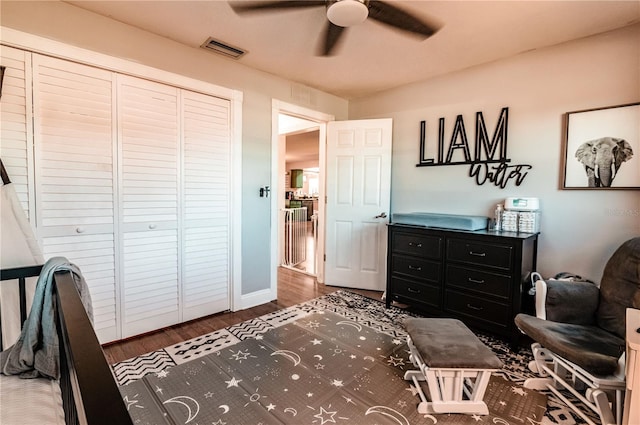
390,15
255,6
332,35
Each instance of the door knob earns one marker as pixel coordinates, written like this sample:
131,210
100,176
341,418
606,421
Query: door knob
381,215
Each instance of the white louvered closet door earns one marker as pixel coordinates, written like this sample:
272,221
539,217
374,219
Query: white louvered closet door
206,182
148,133
75,184
15,122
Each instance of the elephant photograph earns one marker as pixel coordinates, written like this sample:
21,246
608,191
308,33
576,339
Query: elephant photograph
602,158
600,147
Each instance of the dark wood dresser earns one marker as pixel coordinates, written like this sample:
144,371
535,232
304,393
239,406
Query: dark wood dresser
478,277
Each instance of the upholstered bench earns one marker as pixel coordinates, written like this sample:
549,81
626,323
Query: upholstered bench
455,364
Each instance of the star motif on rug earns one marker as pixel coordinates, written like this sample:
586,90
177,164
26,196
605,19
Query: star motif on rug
233,382
324,419
259,337
319,366
337,383
208,394
158,389
348,400
162,374
477,417
313,325
518,390
309,395
316,341
395,361
397,342
219,422
131,402
240,356
270,407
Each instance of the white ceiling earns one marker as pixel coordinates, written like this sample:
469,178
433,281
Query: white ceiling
374,57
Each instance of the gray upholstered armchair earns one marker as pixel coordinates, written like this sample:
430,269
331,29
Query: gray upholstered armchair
579,333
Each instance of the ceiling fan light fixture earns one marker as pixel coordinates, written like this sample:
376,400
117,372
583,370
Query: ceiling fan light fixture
347,13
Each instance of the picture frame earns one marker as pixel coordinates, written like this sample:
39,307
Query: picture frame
601,148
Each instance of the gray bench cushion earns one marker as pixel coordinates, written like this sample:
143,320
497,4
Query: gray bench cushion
448,343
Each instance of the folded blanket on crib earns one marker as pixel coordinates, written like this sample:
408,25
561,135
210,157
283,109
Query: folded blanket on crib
36,353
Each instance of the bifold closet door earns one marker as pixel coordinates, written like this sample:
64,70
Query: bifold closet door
15,122
148,136
75,177
206,193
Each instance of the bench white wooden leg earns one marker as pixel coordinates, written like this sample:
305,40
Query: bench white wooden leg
449,390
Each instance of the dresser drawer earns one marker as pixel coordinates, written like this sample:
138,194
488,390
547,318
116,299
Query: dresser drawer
484,254
487,283
416,268
425,294
416,244
477,308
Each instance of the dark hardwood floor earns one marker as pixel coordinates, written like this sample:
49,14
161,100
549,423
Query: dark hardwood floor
293,288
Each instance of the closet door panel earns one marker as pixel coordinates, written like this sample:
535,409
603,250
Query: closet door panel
207,170
75,177
148,132
15,123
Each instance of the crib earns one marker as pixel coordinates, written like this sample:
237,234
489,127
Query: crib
87,392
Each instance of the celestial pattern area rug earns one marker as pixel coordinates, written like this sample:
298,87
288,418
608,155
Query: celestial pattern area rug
337,359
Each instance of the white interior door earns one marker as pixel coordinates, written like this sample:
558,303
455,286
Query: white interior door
358,170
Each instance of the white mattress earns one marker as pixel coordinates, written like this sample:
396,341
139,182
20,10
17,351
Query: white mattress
30,401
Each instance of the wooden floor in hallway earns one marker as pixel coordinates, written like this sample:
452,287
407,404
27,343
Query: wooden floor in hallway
293,288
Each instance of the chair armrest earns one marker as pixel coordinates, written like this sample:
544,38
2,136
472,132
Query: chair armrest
567,302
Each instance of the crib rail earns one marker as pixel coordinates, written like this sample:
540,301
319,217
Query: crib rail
20,274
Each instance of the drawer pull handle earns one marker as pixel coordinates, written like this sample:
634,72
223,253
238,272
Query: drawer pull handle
473,307
152,226
413,291
79,229
478,254
478,281
418,245
414,268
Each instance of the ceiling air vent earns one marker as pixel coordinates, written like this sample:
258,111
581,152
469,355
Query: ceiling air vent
222,48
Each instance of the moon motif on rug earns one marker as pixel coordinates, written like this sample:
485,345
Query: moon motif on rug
354,324
291,410
294,357
187,402
387,411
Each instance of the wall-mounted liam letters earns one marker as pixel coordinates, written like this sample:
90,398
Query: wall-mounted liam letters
488,161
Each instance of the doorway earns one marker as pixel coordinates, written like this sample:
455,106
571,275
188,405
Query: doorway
298,124
299,217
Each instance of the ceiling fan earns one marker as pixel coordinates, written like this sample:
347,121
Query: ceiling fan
346,13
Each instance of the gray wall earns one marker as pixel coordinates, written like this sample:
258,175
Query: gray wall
580,228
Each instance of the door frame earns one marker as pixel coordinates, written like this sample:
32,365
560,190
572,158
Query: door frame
277,182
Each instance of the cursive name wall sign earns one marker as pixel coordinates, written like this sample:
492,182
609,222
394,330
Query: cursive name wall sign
488,161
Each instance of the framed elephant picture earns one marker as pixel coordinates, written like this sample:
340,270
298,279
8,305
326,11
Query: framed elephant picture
601,149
